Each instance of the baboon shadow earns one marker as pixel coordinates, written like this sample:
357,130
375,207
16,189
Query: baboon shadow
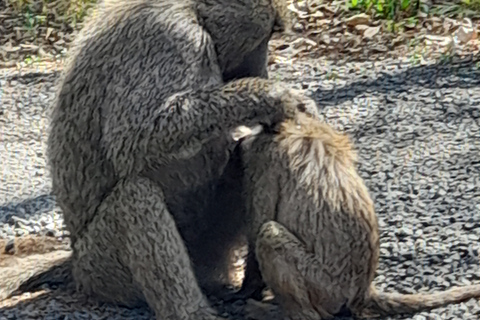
467,75
392,87
26,208
67,304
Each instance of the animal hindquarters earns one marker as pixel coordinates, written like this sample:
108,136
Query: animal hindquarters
132,252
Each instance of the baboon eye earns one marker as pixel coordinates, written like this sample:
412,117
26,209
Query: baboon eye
301,107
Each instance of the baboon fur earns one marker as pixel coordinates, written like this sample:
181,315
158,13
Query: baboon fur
315,227
138,144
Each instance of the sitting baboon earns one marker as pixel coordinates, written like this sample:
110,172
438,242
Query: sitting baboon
138,143
315,227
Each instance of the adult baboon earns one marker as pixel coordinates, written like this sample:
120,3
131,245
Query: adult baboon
317,241
138,142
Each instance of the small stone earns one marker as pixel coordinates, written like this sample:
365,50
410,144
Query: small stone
10,247
371,32
361,18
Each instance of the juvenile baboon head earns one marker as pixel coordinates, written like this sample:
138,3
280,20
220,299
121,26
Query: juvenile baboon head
241,30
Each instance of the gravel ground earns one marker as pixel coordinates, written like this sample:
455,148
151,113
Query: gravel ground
417,132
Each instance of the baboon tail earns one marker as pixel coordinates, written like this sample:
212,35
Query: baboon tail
53,269
384,304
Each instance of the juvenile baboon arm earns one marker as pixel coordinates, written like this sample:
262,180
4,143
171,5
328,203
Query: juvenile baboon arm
188,119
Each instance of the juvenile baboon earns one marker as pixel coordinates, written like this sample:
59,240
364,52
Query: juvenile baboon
318,242
138,143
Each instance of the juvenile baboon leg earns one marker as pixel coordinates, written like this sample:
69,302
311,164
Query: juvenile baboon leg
140,255
296,276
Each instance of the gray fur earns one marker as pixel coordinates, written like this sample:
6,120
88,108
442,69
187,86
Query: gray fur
138,145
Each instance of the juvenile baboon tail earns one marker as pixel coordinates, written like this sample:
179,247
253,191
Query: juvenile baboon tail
384,304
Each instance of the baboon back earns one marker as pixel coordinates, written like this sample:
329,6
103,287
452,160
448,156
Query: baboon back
132,57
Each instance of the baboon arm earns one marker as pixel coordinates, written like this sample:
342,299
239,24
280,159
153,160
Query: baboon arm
189,119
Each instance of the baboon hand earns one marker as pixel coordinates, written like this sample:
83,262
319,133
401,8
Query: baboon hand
294,101
241,132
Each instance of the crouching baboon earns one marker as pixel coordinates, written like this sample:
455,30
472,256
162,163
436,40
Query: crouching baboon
138,146
317,243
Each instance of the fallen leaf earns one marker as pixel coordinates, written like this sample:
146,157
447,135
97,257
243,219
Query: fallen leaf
49,32
465,32
371,32
361,18
326,39
361,27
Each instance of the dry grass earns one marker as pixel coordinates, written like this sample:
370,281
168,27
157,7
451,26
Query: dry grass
45,12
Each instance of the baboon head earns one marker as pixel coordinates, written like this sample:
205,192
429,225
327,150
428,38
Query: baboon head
241,30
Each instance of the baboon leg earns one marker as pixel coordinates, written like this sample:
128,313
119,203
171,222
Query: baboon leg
253,284
133,251
297,278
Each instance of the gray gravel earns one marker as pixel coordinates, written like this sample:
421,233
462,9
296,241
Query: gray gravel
26,203
417,133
